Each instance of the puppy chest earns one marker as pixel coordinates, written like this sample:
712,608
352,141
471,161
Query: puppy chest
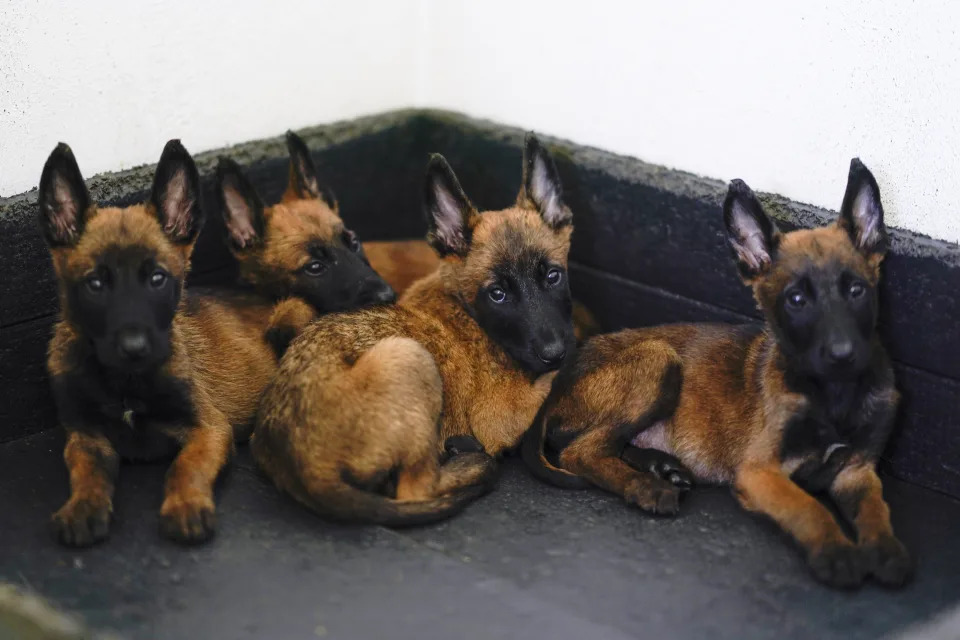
814,451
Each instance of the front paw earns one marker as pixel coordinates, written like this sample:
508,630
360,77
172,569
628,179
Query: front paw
82,522
456,445
188,520
662,465
838,564
653,495
888,561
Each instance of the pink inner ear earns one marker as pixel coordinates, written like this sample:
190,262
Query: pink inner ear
748,240
309,182
177,207
865,218
752,251
64,215
449,218
545,194
239,223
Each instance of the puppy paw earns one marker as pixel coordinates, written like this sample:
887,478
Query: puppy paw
660,464
455,445
653,495
888,561
82,522
187,520
838,564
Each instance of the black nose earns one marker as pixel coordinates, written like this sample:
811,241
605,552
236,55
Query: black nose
552,353
133,343
376,291
840,351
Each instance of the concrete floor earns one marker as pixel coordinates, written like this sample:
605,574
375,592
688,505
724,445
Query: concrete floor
527,561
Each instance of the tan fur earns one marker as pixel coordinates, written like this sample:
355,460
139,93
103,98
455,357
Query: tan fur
217,346
403,262
727,424
111,226
291,225
362,393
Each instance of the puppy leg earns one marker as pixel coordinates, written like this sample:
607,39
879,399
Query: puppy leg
636,388
858,493
92,463
589,456
832,557
187,513
662,465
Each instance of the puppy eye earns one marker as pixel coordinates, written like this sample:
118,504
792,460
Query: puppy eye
796,299
315,268
351,241
95,284
856,290
554,277
158,279
497,294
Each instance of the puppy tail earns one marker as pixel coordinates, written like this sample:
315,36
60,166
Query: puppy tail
531,450
346,503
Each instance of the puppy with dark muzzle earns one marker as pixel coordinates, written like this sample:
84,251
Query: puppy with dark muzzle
392,415
298,250
140,370
803,404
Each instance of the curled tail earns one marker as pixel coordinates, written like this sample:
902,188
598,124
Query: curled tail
531,450
347,503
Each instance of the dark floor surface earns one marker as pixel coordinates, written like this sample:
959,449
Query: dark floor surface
528,561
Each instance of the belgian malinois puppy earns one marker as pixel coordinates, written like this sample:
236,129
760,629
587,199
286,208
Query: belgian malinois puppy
299,247
274,248
403,262
139,370
803,404
299,250
356,422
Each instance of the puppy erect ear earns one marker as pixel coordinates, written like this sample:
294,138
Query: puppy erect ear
63,198
240,205
176,194
751,233
449,212
541,184
861,214
304,182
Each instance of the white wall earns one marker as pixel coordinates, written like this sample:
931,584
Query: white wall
781,94
116,78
